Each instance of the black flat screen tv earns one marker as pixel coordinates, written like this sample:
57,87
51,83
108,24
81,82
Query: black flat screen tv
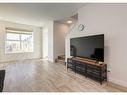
91,47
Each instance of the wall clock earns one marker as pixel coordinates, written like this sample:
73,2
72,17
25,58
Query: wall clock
81,27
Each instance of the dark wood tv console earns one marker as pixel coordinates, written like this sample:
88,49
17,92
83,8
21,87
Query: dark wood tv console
89,68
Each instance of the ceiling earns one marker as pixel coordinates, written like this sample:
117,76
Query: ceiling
37,13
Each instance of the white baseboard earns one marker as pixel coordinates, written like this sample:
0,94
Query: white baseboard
118,82
1,62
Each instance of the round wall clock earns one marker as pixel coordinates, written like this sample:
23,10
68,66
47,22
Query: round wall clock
81,27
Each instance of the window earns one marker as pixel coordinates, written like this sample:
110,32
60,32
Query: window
18,41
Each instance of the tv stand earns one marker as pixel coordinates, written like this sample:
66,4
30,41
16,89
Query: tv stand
90,68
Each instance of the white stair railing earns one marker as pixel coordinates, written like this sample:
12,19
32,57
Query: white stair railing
72,27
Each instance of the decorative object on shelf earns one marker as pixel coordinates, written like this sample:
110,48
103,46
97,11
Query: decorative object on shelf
81,27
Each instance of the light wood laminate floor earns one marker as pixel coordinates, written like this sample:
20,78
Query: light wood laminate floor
40,75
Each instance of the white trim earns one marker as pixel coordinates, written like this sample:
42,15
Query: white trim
118,82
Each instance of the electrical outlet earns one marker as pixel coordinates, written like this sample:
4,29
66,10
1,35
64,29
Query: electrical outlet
109,70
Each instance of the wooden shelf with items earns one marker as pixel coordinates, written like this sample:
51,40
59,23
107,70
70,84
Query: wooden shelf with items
89,61
90,68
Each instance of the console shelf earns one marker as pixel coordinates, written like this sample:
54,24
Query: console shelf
90,68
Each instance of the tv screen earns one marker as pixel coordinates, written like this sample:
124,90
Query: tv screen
91,47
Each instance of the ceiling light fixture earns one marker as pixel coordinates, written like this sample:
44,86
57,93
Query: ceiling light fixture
69,21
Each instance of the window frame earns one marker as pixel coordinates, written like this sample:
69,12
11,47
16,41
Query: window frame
20,40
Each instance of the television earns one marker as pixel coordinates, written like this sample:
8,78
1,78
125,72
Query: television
91,47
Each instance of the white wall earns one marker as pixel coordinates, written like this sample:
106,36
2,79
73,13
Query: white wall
49,27
60,31
45,43
56,39
110,20
19,56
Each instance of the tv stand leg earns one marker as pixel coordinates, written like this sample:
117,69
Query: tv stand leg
100,76
75,70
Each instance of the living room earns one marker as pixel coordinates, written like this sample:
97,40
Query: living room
34,36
